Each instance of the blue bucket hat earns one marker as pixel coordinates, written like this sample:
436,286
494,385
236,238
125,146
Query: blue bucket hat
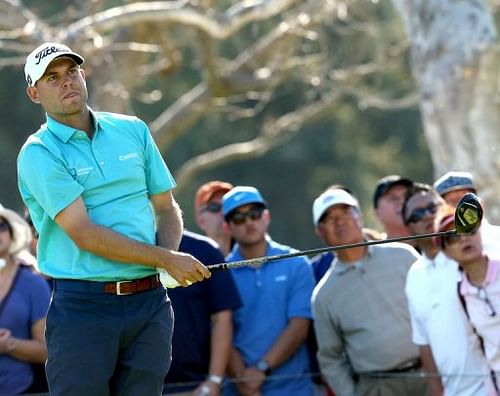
240,196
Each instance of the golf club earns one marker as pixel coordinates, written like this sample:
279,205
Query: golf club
468,216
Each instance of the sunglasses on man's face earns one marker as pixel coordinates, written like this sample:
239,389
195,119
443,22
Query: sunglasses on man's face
212,207
420,213
239,218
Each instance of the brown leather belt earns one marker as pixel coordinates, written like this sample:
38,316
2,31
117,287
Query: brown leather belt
119,288
134,286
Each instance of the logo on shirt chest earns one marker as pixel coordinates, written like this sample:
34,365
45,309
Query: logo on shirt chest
128,156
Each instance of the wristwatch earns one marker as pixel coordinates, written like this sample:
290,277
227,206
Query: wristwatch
216,379
263,365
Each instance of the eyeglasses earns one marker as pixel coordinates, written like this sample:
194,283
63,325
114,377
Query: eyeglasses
420,213
483,295
212,207
239,218
454,238
4,226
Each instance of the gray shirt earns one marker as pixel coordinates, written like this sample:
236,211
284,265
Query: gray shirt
361,316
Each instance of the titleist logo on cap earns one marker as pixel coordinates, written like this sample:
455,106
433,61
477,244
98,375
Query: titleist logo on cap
48,51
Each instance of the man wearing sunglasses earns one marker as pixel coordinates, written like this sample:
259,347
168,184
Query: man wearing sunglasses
479,288
208,211
361,315
271,327
440,329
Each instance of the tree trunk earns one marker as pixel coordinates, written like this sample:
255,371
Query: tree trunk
455,61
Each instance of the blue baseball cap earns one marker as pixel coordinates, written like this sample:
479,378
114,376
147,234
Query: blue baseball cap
240,196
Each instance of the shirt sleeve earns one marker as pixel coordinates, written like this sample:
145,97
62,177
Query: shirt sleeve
158,176
299,302
332,360
419,334
46,179
39,298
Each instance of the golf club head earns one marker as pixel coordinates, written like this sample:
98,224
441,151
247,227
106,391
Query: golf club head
468,214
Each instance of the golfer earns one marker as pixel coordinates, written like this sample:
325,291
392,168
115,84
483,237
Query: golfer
98,190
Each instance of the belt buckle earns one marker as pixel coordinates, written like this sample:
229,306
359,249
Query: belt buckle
119,290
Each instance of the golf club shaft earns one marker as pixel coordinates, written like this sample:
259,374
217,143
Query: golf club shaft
265,259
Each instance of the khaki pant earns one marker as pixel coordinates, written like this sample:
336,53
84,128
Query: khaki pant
399,385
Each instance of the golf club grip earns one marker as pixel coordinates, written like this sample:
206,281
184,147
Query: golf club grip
218,267
238,264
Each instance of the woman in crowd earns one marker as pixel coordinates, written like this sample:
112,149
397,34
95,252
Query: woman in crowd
479,288
24,300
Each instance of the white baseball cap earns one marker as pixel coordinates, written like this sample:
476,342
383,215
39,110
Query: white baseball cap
38,60
330,198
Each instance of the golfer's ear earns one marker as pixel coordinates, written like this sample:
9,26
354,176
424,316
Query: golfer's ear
33,94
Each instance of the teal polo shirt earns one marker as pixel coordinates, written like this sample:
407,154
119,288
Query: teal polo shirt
115,173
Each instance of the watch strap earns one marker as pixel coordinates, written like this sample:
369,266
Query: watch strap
216,379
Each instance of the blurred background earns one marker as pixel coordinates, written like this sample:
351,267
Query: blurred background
286,96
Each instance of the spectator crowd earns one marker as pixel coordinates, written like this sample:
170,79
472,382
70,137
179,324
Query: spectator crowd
419,317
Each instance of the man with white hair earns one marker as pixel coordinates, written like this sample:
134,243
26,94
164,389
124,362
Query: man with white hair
360,312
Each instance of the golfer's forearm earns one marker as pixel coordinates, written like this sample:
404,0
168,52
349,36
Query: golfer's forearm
111,245
170,227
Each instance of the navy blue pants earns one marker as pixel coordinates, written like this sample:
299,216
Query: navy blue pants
101,344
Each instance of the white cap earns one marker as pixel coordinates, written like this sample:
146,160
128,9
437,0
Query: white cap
40,58
330,198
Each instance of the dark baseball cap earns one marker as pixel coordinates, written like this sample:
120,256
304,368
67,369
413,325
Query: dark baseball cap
386,183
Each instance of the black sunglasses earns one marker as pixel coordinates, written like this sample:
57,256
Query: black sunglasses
452,239
239,218
420,213
212,207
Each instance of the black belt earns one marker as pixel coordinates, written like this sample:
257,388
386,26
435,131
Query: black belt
411,365
119,288
405,367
